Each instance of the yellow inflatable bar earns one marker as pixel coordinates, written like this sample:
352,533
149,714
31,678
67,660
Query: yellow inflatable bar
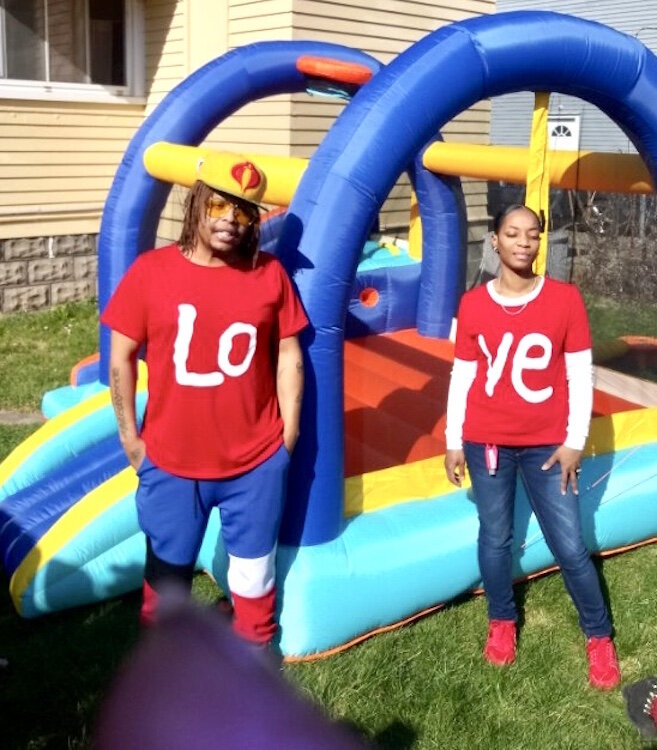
172,162
571,170
537,195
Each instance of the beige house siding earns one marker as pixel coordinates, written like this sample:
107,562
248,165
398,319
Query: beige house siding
166,47
295,125
58,158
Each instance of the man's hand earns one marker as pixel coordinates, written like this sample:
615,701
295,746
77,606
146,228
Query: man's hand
135,450
455,466
290,439
569,460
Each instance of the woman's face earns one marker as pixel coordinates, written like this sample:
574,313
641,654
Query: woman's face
518,240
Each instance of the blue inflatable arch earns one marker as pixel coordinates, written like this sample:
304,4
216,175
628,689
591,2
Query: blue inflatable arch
186,116
389,121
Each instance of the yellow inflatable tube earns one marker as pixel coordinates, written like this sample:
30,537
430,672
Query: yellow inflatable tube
422,480
580,170
573,170
172,162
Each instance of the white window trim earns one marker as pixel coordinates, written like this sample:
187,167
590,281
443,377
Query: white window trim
133,93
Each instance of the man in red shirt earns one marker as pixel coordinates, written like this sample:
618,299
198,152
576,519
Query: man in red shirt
219,321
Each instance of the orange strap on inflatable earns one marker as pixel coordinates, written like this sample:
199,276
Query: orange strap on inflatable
334,70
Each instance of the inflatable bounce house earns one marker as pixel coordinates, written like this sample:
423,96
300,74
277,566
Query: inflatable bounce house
373,534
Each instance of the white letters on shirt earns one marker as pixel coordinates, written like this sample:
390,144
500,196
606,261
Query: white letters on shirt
226,345
186,317
521,362
495,366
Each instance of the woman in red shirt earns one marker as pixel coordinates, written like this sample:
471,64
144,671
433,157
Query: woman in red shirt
519,404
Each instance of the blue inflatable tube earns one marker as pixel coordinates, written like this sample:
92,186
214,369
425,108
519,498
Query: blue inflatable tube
186,116
28,514
330,568
424,553
374,139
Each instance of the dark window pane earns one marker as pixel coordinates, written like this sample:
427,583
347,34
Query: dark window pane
25,34
106,42
66,37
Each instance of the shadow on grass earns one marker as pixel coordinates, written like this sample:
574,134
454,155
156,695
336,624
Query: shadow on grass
396,736
59,668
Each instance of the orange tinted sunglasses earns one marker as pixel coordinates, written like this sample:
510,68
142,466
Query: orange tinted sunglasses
217,207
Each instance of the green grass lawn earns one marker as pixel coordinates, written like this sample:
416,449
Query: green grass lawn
424,686
610,318
38,350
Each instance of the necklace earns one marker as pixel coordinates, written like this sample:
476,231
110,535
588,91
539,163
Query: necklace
518,310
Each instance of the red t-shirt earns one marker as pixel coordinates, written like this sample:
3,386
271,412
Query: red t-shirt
520,394
212,336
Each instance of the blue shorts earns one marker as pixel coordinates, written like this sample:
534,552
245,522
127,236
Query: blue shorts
173,511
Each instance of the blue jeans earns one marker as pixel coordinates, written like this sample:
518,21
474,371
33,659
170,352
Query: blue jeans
558,517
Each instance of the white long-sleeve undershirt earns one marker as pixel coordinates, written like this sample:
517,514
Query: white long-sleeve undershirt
579,374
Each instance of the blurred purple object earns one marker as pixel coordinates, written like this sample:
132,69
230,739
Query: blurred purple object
191,683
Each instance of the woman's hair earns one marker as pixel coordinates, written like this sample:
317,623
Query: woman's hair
503,213
195,202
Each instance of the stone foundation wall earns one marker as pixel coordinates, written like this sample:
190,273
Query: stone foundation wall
39,272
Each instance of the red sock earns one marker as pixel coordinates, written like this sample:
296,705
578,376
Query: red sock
148,612
254,618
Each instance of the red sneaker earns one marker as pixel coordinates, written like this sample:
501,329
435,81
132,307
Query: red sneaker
604,672
500,648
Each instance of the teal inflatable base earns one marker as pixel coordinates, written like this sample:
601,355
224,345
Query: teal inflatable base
384,567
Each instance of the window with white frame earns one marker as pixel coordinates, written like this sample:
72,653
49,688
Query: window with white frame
71,45
564,132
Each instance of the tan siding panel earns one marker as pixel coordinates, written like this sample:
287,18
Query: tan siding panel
393,219
45,227
60,133
241,146
259,8
366,29
436,10
79,196
481,138
463,128
258,23
170,50
50,171
265,35
312,105
87,145
71,119
60,156
407,15
253,134
76,160
29,186
165,13
166,48
162,35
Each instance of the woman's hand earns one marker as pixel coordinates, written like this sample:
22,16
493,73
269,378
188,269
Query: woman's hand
569,460
455,466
